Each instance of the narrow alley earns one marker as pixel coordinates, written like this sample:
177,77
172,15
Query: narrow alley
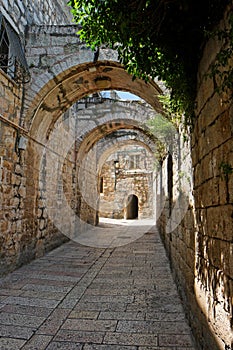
84,298
101,138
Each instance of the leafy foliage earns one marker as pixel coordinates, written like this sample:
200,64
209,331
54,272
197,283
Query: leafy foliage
165,129
222,68
154,38
226,169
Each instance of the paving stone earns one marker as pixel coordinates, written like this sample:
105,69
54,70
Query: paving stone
93,315
79,337
164,316
37,342
64,346
11,343
108,347
47,288
101,306
170,308
175,339
108,291
179,327
78,291
8,292
32,302
108,298
59,273
27,310
157,348
44,294
16,332
47,282
51,277
68,303
137,315
11,283
54,322
20,320
83,298
115,285
90,325
3,298
130,339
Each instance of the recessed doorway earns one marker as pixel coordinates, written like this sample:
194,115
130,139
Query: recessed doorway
132,207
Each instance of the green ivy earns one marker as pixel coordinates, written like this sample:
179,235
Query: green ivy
226,169
154,39
222,68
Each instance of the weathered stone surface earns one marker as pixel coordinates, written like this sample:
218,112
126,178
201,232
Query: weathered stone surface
200,248
203,272
80,327
135,177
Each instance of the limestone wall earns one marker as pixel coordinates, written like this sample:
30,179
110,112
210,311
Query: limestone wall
201,247
23,220
22,13
212,153
134,176
12,180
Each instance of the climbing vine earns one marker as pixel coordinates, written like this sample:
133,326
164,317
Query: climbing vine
226,169
154,38
221,69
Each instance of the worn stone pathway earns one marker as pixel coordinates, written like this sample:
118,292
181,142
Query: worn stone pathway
85,298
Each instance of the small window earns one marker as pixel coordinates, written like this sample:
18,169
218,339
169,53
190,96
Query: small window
101,184
12,58
4,48
134,162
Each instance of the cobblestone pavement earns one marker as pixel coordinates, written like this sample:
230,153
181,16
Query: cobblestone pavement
85,298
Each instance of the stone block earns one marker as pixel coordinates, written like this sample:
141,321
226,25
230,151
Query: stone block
205,91
22,191
211,111
219,132
220,223
206,169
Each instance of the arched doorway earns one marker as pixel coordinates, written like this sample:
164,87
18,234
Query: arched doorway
132,207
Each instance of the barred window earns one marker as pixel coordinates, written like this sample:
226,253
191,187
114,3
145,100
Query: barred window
4,48
12,58
134,161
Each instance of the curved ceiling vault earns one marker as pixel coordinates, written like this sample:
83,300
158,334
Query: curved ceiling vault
106,129
75,83
109,148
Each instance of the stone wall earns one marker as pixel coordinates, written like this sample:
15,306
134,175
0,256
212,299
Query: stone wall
212,151
12,180
25,230
200,249
23,13
134,176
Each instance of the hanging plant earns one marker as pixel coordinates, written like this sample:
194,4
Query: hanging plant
154,39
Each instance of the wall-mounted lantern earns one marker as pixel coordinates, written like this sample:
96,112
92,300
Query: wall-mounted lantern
116,170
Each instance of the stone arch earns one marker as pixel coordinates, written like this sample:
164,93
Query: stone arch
66,71
113,200
92,137
119,143
60,80
61,92
110,147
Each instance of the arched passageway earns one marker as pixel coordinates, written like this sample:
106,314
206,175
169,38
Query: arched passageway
132,207
199,242
126,166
